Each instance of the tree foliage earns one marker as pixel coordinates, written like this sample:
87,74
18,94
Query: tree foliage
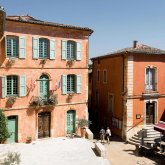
4,133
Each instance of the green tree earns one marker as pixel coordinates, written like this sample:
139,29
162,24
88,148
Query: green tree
4,133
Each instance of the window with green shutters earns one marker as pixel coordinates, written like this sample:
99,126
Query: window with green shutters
71,50
15,47
12,85
43,48
12,43
70,83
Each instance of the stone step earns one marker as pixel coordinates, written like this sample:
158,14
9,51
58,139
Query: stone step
150,139
137,143
134,141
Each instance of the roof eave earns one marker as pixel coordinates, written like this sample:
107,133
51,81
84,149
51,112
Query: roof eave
126,53
53,25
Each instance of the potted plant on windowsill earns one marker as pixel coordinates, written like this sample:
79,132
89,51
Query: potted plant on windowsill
70,62
28,139
83,124
11,100
43,61
53,100
36,101
10,62
70,96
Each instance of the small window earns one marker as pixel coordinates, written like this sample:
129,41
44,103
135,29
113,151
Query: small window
71,50
98,75
97,98
71,83
150,79
110,104
12,43
43,48
12,85
105,76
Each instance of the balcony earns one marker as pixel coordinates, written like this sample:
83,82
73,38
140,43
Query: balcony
39,101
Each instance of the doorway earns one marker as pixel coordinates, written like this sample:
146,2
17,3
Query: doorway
13,129
150,113
44,124
71,121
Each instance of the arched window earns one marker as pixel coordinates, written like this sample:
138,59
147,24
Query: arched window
44,87
71,50
43,48
12,85
151,78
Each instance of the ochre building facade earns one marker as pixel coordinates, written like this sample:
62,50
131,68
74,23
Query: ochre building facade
128,90
44,77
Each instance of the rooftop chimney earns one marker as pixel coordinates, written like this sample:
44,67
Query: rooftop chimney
2,8
135,44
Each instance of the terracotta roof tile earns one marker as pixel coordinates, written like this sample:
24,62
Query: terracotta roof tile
139,49
32,20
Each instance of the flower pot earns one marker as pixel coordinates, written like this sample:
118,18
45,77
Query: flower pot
83,132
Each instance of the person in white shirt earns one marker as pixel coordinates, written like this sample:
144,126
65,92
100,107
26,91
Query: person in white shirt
108,134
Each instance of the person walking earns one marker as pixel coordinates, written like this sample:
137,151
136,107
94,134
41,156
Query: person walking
108,134
102,135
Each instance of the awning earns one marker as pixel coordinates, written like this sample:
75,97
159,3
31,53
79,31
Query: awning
160,127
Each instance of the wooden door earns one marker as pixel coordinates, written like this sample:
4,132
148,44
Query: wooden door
70,121
150,113
44,124
12,128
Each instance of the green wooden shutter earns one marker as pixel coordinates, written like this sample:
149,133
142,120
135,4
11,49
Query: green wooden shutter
78,84
35,48
78,55
22,47
64,84
64,49
22,85
52,49
3,86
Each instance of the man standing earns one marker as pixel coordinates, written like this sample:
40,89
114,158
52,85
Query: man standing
108,134
102,134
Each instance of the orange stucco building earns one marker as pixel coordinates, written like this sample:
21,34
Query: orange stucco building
128,90
44,76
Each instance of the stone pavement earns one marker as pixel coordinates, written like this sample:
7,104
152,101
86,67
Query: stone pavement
56,151
120,153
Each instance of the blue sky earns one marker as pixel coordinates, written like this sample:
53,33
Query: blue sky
116,23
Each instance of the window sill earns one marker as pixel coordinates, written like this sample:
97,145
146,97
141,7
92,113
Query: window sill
150,91
151,94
